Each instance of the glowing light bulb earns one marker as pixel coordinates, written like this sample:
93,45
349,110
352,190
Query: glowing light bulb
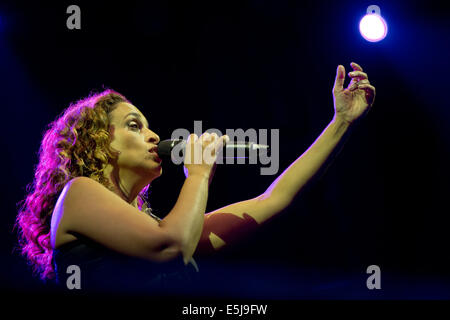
372,26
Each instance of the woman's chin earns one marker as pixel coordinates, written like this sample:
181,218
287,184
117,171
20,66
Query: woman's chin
151,173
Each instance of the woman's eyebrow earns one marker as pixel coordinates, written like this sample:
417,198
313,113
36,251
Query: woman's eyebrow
137,115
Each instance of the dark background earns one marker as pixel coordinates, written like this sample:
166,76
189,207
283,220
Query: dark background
263,65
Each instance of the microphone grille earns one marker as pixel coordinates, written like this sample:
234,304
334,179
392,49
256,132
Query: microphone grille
165,147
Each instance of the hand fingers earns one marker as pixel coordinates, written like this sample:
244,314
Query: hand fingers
192,151
225,139
370,94
210,148
356,66
357,74
206,136
355,84
192,138
368,88
340,78
369,91
217,143
221,142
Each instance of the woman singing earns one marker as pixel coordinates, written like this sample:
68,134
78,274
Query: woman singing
86,221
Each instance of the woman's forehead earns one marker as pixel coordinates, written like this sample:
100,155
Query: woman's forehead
123,109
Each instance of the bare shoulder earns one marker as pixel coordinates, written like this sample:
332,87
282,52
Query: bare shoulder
84,192
85,198
79,184
59,231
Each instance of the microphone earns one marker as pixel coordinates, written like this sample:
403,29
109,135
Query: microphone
165,147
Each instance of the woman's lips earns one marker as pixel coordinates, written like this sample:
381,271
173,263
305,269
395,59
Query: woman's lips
155,156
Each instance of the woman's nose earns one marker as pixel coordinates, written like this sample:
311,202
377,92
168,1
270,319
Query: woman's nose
154,138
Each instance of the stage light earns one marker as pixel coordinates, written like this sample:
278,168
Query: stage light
372,26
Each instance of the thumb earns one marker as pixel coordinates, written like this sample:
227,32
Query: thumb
340,78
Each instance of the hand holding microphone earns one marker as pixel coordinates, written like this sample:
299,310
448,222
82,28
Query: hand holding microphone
201,153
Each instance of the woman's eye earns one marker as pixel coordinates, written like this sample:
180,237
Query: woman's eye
134,125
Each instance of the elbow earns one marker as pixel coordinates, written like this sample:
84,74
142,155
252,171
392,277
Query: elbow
175,252
176,245
165,249
175,249
169,253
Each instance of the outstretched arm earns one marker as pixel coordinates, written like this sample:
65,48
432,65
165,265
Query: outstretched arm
230,223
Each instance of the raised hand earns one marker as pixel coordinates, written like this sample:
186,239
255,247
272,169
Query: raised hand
356,100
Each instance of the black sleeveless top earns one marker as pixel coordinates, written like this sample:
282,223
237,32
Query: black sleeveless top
104,270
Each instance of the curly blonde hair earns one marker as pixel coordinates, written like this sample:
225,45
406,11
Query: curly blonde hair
76,144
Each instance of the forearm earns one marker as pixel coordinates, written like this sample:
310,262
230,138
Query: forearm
185,220
302,170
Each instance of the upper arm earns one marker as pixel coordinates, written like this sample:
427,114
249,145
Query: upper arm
93,211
